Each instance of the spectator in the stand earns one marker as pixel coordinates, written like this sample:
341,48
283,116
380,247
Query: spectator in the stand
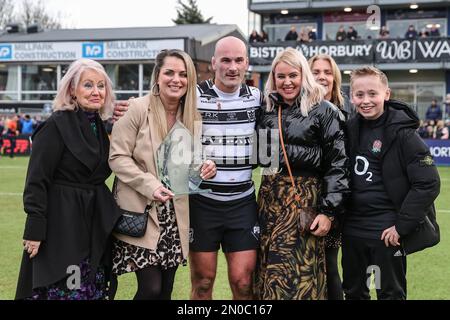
18,119
422,130
447,106
254,37
341,35
434,111
411,33
264,36
292,35
27,125
384,33
352,34
424,33
446,131
430,132
434,32
439,131
312,36
303,36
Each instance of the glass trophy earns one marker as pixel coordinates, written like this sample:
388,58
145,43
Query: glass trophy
178,163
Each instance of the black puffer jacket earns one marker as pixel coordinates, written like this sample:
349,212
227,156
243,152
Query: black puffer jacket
410,177
315,147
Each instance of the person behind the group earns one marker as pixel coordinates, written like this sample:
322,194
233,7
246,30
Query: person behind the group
135,139
393,181
327,73
70,210
226,217
291,265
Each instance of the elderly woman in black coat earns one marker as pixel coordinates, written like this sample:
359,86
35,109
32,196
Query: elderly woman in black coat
70,210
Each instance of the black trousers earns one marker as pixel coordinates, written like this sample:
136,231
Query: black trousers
362,257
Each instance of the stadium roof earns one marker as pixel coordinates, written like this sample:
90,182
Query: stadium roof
204,33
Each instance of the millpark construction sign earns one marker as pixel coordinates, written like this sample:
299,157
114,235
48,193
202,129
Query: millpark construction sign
361,51
69,51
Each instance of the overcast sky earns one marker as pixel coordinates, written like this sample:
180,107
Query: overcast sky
140,13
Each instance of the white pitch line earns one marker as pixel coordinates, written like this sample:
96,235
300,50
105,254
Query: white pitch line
9,194
12,167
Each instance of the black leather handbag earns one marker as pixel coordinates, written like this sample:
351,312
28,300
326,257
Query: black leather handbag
133,224
426,235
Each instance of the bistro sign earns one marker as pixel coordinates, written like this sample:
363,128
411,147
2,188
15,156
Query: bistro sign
361,51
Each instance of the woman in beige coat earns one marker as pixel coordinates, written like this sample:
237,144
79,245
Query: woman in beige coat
135,140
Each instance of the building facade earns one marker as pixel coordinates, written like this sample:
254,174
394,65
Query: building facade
32,64
416,61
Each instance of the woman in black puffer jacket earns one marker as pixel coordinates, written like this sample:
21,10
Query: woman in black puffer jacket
291,265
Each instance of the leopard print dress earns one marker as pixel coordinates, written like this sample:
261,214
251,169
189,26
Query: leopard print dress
168,254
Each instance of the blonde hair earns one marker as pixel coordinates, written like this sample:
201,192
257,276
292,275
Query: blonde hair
64,101
311,92
336,95
189,110
368,71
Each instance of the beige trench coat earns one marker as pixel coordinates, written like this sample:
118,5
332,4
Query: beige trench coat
134,142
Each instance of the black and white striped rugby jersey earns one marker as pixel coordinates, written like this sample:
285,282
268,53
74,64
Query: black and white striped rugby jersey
229,121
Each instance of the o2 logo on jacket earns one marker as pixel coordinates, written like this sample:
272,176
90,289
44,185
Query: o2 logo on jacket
5,52
362,167
93,50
